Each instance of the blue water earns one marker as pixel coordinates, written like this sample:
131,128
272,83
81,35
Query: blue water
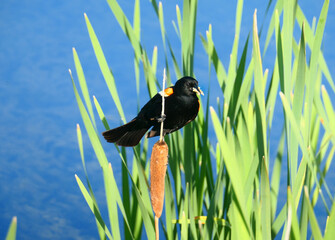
38,144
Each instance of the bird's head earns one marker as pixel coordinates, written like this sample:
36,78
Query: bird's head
187,85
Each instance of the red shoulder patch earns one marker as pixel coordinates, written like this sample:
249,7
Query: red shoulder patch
168,91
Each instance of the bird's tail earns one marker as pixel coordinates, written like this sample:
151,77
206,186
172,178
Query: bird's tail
127,135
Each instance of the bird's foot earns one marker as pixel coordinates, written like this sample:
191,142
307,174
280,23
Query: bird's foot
161,118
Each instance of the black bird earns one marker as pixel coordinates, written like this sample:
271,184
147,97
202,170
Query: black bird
181,107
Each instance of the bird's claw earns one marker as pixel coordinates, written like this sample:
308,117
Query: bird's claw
161,118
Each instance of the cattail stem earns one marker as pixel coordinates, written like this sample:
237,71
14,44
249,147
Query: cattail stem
163,107
156,227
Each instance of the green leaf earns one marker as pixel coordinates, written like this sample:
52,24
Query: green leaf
330,227
272,28
300,17
296,129
292,219
212,53
169,209
328,123
231,165
184,216
279,221
298,103
315,51
111,202
137,20
287,34
202,220
233,108
312,219
161,21
11,234
149,76
101,113
81,149
276,175
83,85
280,57
105,70
266,203
260,91
94,139
126,26
93,207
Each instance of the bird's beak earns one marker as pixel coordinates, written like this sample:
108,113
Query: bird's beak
198,90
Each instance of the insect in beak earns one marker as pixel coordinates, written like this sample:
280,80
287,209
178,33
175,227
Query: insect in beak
198,90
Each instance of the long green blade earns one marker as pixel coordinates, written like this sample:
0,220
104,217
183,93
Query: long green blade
11,234
105,70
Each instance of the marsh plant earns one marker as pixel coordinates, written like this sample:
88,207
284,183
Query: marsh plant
229,188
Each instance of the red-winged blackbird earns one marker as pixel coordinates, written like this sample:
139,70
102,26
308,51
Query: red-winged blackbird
181,107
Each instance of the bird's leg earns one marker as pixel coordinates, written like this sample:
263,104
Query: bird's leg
161,118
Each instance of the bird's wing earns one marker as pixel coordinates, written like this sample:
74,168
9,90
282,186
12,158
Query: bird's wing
152,109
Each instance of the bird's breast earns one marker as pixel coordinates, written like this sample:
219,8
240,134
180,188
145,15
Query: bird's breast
182,107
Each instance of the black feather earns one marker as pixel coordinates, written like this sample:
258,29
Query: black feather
181,107
126,135
131,138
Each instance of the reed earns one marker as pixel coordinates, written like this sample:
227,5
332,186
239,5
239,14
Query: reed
229,189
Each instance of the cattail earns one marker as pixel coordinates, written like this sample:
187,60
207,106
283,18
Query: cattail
158,165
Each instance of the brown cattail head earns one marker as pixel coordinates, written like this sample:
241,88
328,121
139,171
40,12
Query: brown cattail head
158,164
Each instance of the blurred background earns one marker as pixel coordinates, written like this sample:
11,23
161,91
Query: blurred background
38,144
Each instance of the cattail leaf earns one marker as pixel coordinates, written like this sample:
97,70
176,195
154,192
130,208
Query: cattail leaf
108,75
11,234
92,206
